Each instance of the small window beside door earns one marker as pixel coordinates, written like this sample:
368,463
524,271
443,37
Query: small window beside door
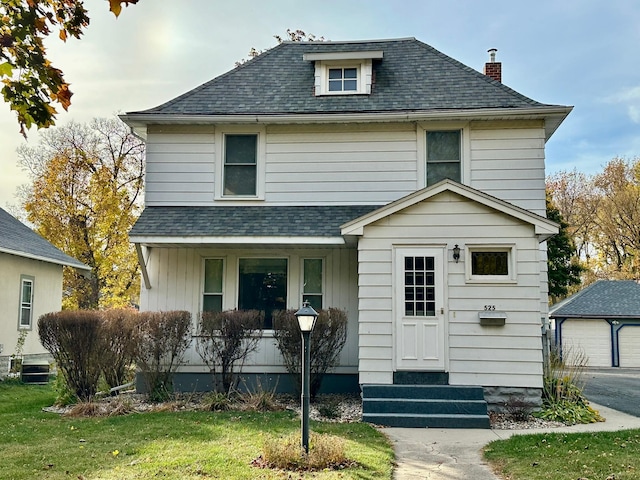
491,264
312,282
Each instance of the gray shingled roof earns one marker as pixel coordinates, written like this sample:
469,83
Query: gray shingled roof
412,77
18,239
239,221
603,299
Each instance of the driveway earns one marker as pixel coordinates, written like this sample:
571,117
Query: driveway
617,388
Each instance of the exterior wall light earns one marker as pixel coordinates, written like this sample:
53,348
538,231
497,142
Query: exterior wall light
456,253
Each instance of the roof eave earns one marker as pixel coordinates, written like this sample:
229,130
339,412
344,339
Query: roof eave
79,266
196,240
553,115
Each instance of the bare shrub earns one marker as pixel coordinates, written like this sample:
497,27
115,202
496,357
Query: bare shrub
518,408
163,338
325,452
327,340
75,339
119,327
225,340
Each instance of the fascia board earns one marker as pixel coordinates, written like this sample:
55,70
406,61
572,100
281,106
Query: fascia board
79,266
219,240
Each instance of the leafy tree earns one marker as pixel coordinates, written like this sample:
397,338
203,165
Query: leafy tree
31,82
85,195
564,267
603,213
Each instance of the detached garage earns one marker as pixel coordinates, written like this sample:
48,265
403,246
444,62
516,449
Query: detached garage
603,321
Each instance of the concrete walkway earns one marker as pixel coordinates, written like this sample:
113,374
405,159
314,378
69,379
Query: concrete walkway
452,454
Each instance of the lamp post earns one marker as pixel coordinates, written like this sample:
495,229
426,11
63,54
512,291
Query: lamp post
306,321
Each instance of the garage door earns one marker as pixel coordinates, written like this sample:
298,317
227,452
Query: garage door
629,343
593,337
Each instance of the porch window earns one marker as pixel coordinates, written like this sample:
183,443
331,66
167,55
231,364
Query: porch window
212,296
262,285
419,287
26,302
312,287
443,156
240,165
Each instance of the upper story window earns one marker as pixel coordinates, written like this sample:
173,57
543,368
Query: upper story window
26,302
343,79
240,164
343,73
444,159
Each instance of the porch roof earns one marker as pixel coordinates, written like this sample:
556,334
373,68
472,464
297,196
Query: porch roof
244,224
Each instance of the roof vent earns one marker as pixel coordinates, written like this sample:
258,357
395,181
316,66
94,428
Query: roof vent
492,68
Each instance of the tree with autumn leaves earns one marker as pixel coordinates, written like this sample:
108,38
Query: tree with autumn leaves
85,195
31,83
603,216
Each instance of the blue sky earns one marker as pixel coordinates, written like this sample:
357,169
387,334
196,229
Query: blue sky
584,53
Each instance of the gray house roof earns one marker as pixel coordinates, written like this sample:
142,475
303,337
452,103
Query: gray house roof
411,77
18,239
602,299
245,221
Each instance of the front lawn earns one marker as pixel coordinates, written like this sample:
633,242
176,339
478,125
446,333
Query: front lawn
169,445
567,456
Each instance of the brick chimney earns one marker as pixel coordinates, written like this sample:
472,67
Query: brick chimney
492,68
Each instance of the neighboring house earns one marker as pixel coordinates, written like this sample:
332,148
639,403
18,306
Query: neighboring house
30,286
602,323
381,177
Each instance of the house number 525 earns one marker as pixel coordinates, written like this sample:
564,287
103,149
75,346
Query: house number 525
489,308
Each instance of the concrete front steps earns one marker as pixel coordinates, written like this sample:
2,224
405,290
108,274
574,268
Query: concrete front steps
420,406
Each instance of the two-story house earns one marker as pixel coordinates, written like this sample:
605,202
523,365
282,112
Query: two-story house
381,177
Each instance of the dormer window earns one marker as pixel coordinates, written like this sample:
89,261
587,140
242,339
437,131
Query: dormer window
343,73
343,79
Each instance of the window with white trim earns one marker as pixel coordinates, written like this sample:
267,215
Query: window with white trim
212,292
343,79
491,263
312,287
443,156
26,302
240,165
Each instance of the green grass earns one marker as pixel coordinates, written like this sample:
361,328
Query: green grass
601,455
168,445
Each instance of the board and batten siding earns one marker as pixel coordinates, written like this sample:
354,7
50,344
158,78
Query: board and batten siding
176,276
490,356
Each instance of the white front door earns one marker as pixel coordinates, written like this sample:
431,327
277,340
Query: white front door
419,301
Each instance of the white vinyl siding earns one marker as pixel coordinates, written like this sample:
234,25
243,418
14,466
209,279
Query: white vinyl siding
492,356
177,276
179,165
507,161
346,164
